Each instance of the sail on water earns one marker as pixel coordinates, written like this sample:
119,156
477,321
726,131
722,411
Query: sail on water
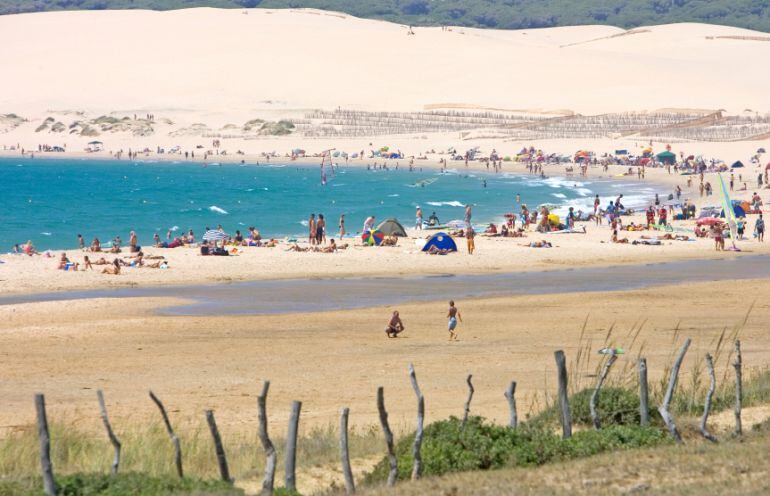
727,207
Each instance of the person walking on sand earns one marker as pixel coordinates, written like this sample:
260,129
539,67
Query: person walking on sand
418,219
470,236
759,228
395,326
453,315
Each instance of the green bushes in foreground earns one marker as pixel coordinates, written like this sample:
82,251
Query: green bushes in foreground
121,485
615,406
448,447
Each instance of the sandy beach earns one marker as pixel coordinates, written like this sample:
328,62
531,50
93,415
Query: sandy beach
209,87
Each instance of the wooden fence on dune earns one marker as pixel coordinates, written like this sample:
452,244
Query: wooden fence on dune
49,482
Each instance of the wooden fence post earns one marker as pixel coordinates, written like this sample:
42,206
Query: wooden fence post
290,464
393,474
664,408
267,444
511,395
738,363
171,434
566,417
707,404
467,409
224,472
49,484
350,484
110,434
595,396
644,395
417,446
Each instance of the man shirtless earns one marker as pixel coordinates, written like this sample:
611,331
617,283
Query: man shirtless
453,315
395,326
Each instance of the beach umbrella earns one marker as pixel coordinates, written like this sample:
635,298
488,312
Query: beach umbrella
95,143
372,238
214,235
708,221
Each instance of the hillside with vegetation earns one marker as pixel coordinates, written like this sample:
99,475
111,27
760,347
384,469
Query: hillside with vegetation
501,14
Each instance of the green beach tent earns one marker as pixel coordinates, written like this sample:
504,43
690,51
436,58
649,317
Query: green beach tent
666,157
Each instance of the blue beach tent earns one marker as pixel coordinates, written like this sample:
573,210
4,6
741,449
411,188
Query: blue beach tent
442,241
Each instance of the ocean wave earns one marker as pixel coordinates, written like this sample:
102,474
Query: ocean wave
453,203
559,195
218,210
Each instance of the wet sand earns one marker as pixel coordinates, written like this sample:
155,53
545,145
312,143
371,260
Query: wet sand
328,294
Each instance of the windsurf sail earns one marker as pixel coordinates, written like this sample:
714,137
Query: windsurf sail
727,207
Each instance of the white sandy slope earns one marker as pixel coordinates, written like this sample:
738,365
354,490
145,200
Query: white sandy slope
221,65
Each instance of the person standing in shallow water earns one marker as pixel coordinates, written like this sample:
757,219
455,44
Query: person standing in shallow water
453,315
342,226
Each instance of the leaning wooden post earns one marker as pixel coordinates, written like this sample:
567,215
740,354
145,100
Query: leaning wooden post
267,444
738,363
417,446
595,396
707,404
467,409
511,395
350,484
224,471
110,434
393,474
644,395
49,485
664,408
171,434
290,464
566,417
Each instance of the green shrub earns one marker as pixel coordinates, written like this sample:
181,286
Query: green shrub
122,484
447,447
616,406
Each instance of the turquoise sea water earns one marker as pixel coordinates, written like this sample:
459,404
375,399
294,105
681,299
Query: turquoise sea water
51,201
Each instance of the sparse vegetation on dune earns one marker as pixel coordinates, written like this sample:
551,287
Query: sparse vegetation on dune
503,14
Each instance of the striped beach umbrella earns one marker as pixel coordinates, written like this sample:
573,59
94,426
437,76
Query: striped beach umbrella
372,238
214,235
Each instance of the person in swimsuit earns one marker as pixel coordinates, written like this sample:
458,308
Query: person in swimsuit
342,226
453,315
418,219
311,229
320,229
395,326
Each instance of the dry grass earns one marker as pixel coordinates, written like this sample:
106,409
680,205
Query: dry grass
148,450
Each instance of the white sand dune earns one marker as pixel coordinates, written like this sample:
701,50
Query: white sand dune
225,64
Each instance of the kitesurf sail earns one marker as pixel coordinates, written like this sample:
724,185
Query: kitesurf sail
727,207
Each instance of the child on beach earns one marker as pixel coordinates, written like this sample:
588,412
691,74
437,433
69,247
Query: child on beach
453,314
